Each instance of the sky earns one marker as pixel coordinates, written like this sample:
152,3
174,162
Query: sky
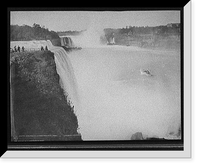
82,20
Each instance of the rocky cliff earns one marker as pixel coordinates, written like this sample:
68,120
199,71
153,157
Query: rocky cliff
40,110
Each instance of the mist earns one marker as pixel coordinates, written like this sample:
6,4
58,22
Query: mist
88,39
116,101
111,99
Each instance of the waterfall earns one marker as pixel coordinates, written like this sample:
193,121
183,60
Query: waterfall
66,73
67,41
111,99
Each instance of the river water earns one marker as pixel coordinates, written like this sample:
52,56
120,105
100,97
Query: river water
112,100
116,101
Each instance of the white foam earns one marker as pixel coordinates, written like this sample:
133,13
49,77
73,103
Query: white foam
116,101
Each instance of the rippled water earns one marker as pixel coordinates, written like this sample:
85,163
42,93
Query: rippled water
114,99
117,101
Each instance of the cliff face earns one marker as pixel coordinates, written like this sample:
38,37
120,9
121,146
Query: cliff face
39,108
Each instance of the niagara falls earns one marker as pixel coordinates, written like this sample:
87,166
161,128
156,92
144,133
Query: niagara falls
118,83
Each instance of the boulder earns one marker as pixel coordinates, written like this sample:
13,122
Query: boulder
137,136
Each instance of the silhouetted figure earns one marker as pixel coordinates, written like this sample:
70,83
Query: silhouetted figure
22,48
42,48
15,49
46,48
18,48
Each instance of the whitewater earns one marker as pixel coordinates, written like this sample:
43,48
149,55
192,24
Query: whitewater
117,101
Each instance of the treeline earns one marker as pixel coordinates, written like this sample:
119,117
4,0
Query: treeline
26,33
62,33
163,30
164,36
170,29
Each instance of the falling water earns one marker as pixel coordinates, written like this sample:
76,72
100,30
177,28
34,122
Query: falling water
116,101
65,71
67,41
111,99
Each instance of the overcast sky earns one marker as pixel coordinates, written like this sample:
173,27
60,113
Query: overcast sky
81,20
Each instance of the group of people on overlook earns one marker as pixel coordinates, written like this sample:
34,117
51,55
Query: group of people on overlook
42,48
18,49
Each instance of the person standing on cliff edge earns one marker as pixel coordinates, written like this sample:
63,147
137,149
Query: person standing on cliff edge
42,48
18,48
22,48
15,48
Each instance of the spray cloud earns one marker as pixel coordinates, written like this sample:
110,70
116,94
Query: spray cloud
90,38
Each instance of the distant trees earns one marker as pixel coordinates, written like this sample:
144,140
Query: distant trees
36,32
62,33
146,36
170,29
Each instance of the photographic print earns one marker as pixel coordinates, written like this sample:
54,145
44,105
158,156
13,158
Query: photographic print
86,77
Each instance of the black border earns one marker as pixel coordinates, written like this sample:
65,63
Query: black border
164,145
182,75
192,81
